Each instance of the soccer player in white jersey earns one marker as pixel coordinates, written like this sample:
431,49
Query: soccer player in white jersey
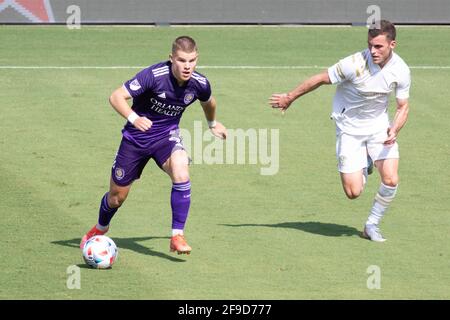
363,130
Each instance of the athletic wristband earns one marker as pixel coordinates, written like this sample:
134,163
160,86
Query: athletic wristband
132,117
212,124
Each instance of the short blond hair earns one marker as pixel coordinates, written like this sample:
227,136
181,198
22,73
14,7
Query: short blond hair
185,44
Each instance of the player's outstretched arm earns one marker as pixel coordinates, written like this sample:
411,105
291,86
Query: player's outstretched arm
283,100
217,129
400,118
118,101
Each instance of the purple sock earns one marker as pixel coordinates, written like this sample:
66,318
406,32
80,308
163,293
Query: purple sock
106,213
180,201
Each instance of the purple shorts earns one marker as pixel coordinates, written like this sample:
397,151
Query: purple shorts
131,159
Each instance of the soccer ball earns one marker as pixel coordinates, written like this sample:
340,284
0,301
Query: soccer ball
100,252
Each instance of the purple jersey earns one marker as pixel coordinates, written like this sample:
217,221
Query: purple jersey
157,96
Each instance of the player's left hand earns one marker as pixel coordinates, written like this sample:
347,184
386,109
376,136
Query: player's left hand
280,101
391,138
219,131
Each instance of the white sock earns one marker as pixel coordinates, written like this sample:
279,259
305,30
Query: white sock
177,231
381,203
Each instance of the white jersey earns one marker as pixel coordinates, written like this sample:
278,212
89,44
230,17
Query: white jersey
362,95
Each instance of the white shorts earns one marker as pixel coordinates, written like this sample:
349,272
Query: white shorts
351,151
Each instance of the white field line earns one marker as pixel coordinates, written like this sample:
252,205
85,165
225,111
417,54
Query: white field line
198,67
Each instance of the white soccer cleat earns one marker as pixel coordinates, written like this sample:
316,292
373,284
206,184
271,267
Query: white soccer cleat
372,232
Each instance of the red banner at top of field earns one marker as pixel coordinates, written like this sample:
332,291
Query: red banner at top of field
38,11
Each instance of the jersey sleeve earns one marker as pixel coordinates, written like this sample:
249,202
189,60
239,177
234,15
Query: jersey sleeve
204,91
402,91
342,71
143,81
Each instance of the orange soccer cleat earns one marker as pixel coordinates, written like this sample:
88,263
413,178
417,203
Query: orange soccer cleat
93,232
179,244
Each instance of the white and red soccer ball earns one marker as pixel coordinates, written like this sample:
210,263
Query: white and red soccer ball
100,252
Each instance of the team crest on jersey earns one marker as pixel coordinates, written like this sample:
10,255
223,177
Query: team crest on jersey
135,85
188,98
119,173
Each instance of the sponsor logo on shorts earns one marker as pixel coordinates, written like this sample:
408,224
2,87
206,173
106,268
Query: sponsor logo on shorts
119,173
188,98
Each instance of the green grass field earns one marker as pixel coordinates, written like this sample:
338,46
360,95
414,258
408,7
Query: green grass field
292,235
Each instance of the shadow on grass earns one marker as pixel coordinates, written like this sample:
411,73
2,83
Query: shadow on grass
127,243
324,229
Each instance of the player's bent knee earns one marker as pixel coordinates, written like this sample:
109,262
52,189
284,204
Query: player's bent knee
182,176
179,170
353,193
352,196
391,181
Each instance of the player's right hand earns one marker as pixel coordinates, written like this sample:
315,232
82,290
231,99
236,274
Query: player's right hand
219,131
143,123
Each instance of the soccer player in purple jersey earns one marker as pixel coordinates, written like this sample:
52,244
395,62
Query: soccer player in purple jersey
160,95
